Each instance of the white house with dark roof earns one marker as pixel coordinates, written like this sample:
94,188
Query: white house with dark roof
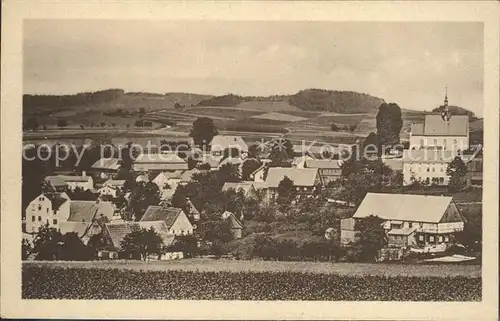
409,220
329,169
167,183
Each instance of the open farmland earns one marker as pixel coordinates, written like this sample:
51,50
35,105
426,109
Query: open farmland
267,106
52,282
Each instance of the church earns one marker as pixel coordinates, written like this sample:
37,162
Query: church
441,131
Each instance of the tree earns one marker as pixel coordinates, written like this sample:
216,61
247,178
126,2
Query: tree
140,243
334,127
26,249
253,151
215,229
203,131
371,144
142,111
370,238
389,124
73,248
103,124
62,123
142,196
249,166
95,243
47,243
229,173
362,176
31,124
286,192
281,153
457,170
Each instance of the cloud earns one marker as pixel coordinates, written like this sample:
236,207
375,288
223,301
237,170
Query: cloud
409,63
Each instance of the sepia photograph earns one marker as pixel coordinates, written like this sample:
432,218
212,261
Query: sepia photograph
252,160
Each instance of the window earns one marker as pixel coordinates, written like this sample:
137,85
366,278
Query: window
422,143
39,207
435,142
444,143
54,222
39,218
428,169
446,239
420,237
410,224
32,218
440,239
421,225
47,210
433,169
441,180
40,198
431,238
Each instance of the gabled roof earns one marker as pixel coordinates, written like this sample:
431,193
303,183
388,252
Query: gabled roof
192,208
322,163
245,186
114,182
162,161
428,156
299,176
118,230
221,142
56,199
233,221
434,125
60,180
160,213
187,176
404,207
107,163
169,175
86,211
238,161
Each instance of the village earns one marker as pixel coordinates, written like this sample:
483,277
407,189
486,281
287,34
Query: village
217,196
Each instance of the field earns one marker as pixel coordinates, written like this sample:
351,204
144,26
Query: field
52,282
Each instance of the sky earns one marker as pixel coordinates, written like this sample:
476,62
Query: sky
409,63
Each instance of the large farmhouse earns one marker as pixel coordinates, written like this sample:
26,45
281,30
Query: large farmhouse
410,220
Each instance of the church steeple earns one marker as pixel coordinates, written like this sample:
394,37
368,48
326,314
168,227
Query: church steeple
445,113
446,98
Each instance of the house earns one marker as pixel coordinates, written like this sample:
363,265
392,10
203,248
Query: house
106,167
441,131
192,211
329,169
246,186
62,182
220,142
475,171
159,162
167,183
142,178
427,165
235,224
189,175
259,175
175,218
409,220
305,180
116,183
109,191
210,160
85,230
115,232
171,179
47,208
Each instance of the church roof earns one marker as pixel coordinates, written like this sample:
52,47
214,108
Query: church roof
435,125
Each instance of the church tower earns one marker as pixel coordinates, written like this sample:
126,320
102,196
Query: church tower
445,113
